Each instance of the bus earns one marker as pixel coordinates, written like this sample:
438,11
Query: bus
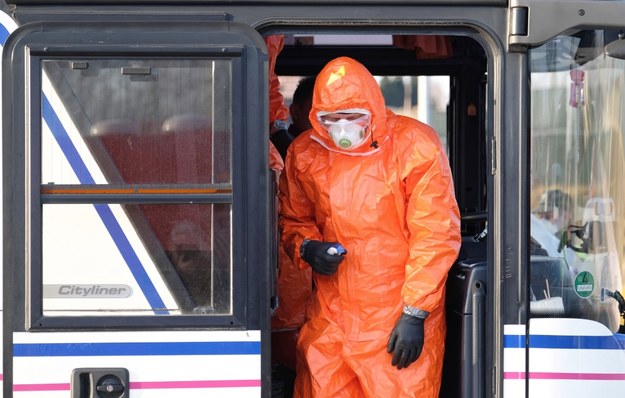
140,236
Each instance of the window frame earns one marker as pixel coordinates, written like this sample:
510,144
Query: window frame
247,58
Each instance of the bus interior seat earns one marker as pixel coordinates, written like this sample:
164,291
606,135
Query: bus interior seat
465,308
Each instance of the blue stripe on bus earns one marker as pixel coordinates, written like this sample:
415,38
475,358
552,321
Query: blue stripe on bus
4,34
563,342
104,211
65,142
132,349
129,255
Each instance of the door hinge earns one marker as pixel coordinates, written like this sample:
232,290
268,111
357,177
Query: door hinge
534,22
518,21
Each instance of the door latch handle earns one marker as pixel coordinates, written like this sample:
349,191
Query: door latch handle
100,383
110,384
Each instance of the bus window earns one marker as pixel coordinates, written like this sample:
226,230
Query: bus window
137,131
425,98
577,167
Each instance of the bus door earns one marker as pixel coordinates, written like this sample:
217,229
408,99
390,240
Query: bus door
573,345
137,200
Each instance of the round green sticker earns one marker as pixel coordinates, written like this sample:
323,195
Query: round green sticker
584,284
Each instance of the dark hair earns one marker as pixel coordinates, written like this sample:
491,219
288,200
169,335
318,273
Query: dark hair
304,89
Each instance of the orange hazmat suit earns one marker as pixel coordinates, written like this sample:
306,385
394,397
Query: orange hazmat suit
391,204
294,285
275,160
294,292
277,109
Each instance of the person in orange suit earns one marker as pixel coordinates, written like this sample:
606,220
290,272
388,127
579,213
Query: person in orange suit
294,295
278,111
294,285
367,202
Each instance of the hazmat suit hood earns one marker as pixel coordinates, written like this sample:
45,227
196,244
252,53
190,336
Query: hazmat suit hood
345,84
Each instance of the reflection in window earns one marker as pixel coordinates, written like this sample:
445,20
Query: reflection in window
577,170
143,121
143,146
133,259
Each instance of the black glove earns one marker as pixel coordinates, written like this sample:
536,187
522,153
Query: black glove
406,341
315,253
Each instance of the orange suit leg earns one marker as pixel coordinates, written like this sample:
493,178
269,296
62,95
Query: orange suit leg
321,370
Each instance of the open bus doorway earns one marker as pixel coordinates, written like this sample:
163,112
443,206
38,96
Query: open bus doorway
439,80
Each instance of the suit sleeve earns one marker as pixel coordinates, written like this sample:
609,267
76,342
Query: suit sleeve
297,212
433,221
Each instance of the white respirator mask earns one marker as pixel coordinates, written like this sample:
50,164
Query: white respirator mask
347,133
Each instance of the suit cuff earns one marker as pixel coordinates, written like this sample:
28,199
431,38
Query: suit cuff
416,312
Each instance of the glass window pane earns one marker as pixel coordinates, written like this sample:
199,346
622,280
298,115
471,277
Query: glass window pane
577,171
425,98
112,260
151,121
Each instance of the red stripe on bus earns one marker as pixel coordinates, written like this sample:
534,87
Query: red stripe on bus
147,385
564,376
